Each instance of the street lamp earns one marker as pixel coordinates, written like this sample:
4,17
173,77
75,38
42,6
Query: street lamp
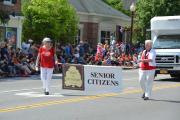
132,9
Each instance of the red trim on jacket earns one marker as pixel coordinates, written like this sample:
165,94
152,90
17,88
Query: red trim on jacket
145,65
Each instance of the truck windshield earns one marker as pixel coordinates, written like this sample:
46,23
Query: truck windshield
167,42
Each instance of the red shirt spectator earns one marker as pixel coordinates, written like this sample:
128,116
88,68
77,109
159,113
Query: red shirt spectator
98,57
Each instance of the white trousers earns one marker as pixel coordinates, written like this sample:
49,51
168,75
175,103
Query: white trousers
146,78
46,75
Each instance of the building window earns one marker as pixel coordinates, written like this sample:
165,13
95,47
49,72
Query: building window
10,2
105,35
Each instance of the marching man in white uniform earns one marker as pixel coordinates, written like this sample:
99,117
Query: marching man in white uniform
147,69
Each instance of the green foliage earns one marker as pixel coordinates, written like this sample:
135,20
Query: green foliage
117,4
56,19
147,9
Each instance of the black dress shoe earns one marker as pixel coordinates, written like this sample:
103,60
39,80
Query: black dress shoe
146,98
143,96
46,93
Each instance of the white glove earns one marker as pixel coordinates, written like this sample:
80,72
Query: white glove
36,68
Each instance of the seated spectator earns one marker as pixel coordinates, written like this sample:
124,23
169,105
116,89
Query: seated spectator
130,57
80,48
86,47
120,60
113,59
134,61
75,60
98,59
3,74
4,66
106,61
4,51
61,59
76,53
127,61
24,70
81,60
91,60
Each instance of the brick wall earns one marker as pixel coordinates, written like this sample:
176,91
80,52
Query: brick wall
11,8
90,33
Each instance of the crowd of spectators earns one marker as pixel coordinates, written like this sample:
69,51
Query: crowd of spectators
16,61
21,62
114,53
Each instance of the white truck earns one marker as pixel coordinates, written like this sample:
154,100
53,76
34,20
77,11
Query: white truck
165,33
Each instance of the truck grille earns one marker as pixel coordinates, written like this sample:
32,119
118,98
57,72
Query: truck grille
163,67
165,59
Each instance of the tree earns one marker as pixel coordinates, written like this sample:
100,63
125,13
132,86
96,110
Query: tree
147,9
117,4
56,19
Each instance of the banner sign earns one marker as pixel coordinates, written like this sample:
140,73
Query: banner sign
102,78
92,78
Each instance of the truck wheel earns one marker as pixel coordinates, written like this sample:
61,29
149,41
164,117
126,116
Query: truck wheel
172,75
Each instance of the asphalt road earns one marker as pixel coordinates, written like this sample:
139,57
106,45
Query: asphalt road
22,99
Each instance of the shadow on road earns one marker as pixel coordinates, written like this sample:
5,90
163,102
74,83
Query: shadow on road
153,100
169,101
126,98
168,80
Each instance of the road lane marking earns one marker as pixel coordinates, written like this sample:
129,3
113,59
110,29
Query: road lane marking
79,99
72,100
20,90
38,94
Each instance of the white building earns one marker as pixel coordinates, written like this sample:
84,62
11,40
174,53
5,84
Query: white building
12,30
